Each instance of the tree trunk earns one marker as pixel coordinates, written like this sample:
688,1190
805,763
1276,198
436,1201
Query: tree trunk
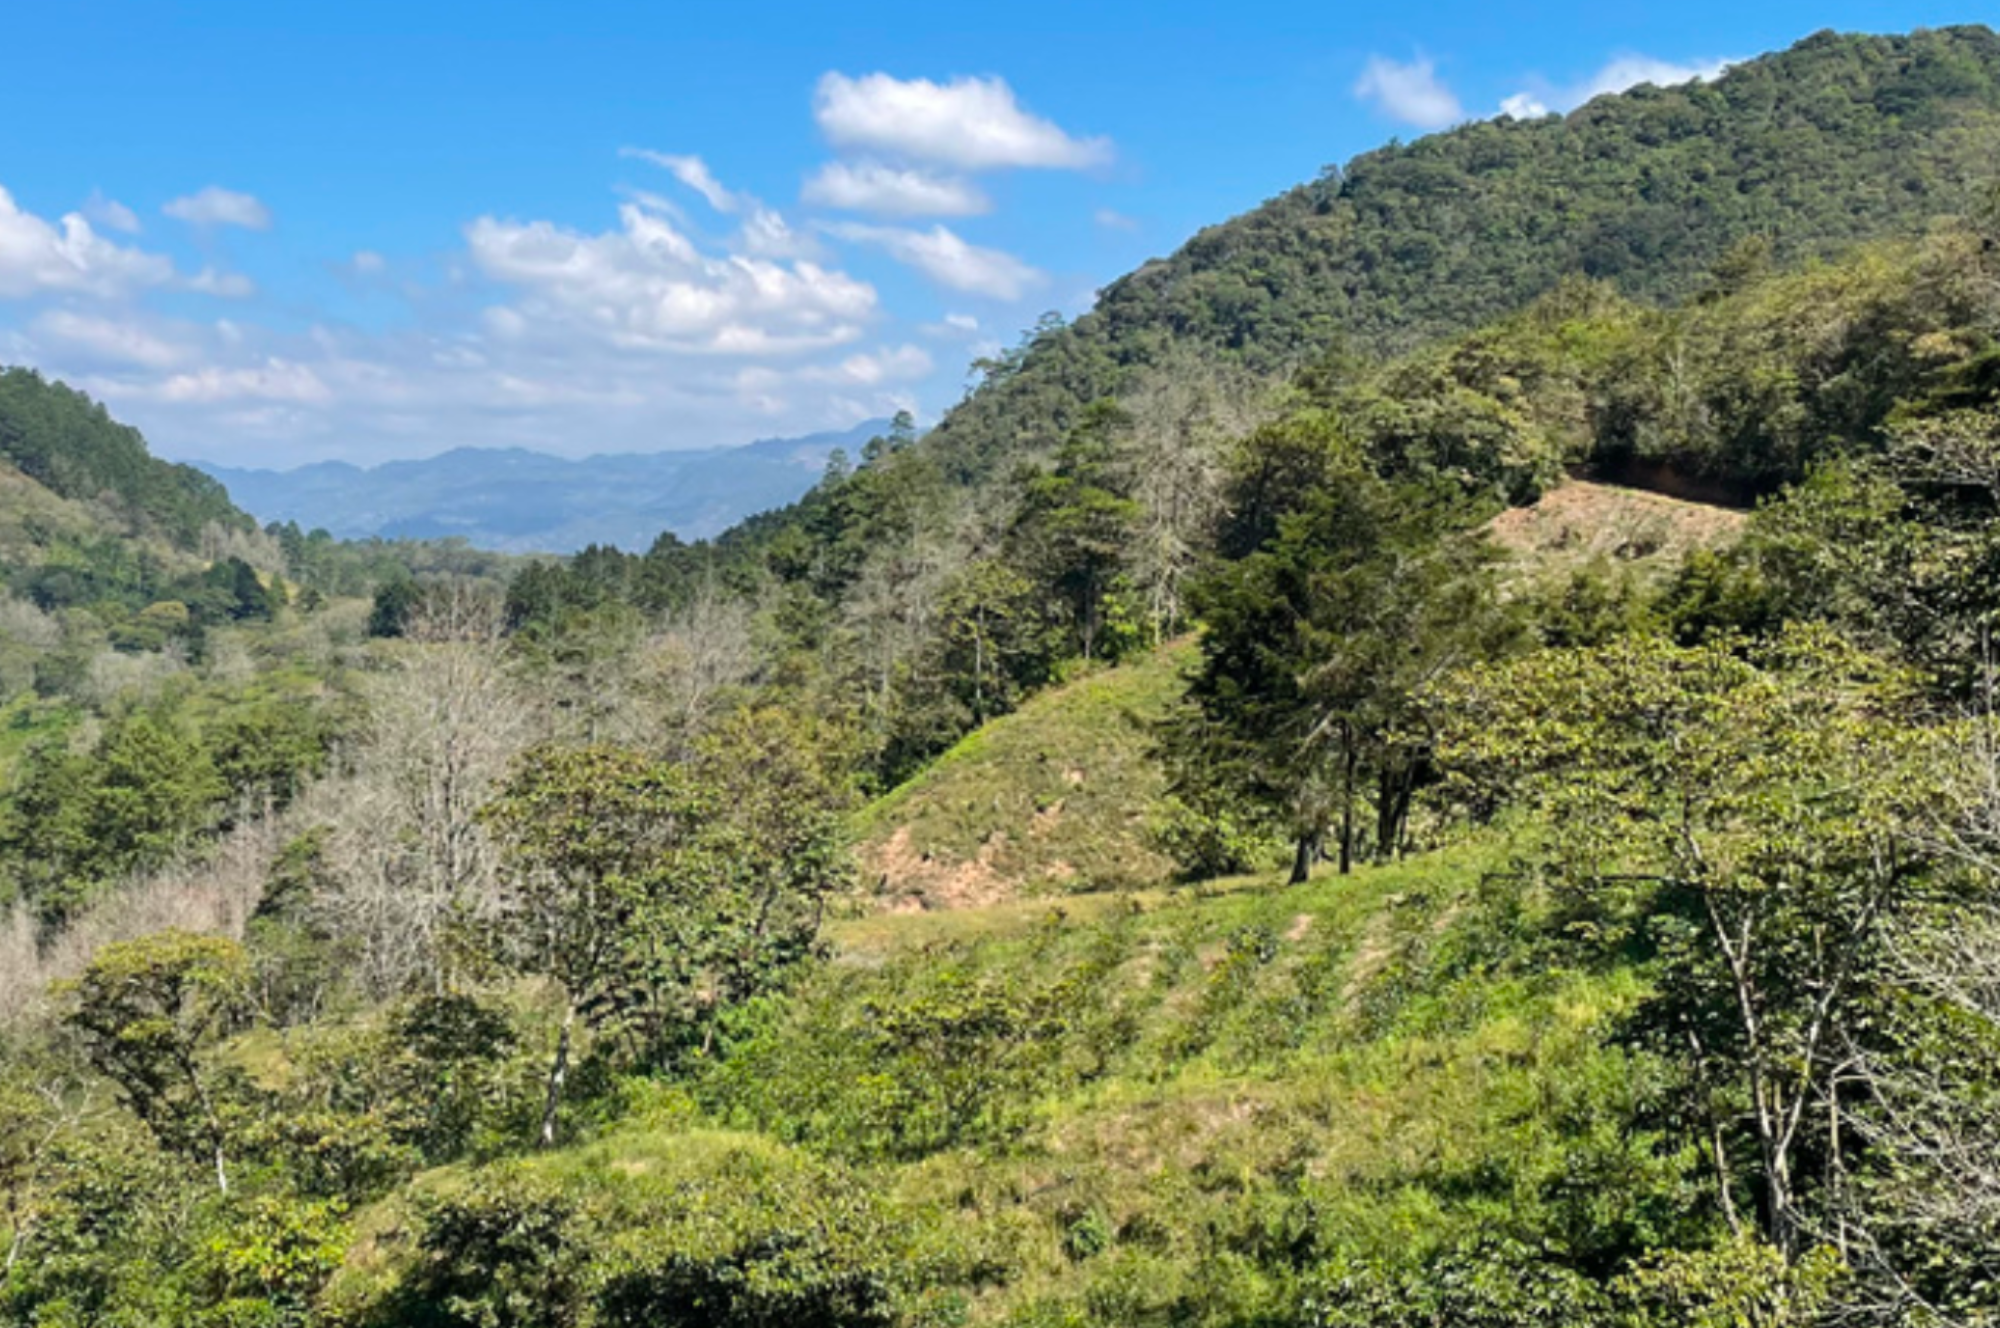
1302,860
558,1072
1347,809
1387,782
209,1119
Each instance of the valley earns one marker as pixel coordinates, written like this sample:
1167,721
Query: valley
1427,760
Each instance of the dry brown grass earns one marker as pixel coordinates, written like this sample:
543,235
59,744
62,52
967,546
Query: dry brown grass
1583,523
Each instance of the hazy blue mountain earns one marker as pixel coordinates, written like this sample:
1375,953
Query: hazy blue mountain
517,501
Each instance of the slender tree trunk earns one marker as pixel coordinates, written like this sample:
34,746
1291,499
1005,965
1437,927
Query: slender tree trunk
1387,783
558,1073
1302,859
1347,808
211,1120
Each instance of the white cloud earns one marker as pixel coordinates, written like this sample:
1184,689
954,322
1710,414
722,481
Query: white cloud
1412,93
692,172
945,258
646,286
367,263
273,380
119,341
1622,72
37,257
869,369
1112,220
111,214
970,123
766,234
1629,71
870,186
216,206
248,394
228,285
952,327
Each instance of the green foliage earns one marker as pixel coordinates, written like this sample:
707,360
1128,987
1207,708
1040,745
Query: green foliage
1073,531
69,443
706,1228
660,901
953,1057
1752,823
148,1011
268,1264
154,784
1317,642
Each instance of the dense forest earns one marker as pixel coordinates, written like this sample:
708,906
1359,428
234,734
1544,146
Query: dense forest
1345,910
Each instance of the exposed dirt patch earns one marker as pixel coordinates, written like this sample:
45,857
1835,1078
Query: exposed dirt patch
1582,522
1300,926
1371,955
908,881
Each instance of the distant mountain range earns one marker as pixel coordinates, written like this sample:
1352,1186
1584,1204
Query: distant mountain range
517,501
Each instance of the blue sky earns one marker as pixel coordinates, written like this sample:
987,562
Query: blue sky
278,232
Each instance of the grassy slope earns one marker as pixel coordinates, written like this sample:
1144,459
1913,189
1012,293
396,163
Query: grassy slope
1369,1066
1054,797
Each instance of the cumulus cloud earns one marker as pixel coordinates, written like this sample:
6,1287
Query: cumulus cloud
691,171
949,260
1525,106
970,123
38,257
871,186
216,206
1622,72
647,286
1412,93
111,214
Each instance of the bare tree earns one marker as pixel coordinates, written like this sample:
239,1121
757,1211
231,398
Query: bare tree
892,612
1930,1117
212,890
1183,415
689,669
408,854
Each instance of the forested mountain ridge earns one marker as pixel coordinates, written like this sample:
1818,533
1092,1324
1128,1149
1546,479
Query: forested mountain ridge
62,439
1839,139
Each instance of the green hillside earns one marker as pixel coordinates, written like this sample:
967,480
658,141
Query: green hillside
59,437
1838,140
1059,796
1204,1100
